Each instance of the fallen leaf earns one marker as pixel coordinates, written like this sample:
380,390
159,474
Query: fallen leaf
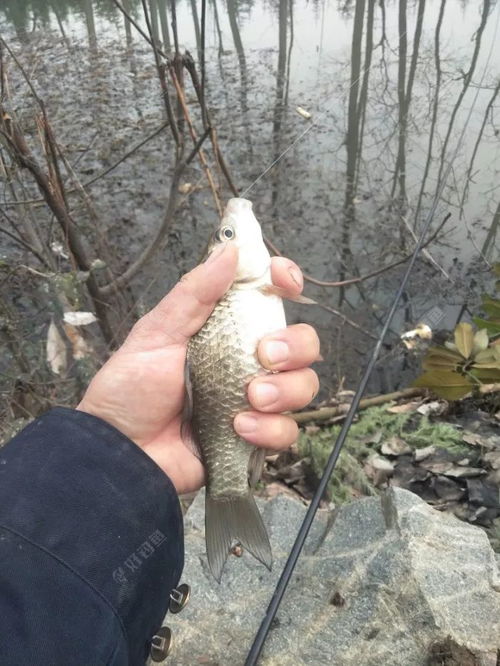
395,446
79,318
302,112
493,459
464,472
79,347
404,408
185,188
433,408
56,349
421,454
474,439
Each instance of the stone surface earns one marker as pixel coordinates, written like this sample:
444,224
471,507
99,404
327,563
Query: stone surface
389,581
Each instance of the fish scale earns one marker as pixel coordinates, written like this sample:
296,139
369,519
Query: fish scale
220,374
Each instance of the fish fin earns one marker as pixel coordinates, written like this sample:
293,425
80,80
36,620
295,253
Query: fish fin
187,434
234,518
269,289
256,465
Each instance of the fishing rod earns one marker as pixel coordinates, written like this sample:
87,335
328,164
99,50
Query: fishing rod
280,589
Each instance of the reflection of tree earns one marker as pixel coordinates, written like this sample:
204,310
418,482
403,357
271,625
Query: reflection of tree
89,19
489,250
435,105
352,139
238,44
405,89
279,105
162,9
363,95
467,78
468,176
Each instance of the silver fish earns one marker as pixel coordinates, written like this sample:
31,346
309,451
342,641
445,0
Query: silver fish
221,361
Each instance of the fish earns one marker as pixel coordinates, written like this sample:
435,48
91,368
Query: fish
221,361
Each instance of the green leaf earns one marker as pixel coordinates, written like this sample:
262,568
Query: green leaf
486,356
464,339
492,326
438,358
493,364
445,383
486,374
480,342
491,306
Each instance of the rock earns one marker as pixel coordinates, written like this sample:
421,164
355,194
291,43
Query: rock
390,582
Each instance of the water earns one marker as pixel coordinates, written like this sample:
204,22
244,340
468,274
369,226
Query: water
388,97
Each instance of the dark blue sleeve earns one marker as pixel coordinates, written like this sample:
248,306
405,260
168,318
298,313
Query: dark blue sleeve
91,545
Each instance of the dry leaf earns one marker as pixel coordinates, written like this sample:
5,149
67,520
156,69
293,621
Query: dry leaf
302,112
433,408
474,439
56,349
395,446
185,188
404,408
79,347
79,318
421,454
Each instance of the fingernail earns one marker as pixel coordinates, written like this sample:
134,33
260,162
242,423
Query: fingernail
296,274
276,351
264,394
244,424
216,253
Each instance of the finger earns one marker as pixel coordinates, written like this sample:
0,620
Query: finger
188,305
289,349
272,431
284,391
287,275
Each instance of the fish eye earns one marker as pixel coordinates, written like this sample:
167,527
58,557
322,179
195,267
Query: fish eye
224,233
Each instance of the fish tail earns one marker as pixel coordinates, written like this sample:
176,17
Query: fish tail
234,518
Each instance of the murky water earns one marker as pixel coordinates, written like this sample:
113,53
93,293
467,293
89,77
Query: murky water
396,92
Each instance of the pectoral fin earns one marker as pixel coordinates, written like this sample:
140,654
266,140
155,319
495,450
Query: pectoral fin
187,434
269,289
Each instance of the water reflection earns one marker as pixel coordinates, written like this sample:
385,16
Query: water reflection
389,86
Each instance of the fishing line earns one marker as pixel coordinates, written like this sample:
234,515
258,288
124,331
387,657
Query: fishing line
291,562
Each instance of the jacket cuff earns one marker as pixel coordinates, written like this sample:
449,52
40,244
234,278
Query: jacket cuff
76,487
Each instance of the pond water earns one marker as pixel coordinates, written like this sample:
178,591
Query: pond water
402,122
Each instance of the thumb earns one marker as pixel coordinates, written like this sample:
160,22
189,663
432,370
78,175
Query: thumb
188,305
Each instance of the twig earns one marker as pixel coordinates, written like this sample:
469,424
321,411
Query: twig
190,66
326,413
368,276
139,29
123,279
161,76
346,320
19,149
126,156
201,154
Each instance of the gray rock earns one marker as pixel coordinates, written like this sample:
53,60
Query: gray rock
389,582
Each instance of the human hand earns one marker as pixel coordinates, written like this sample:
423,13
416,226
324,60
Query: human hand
140,389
